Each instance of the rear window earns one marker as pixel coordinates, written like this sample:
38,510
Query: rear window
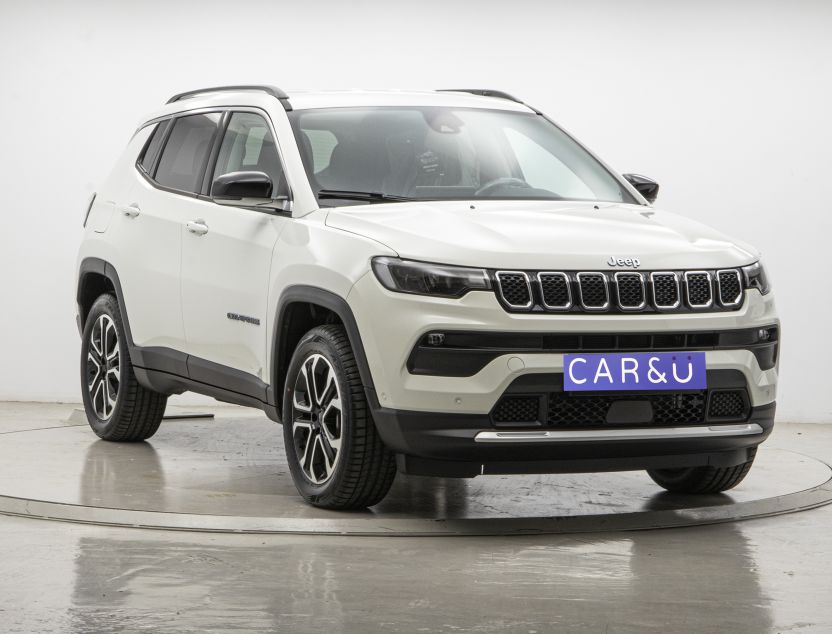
151,148
186,152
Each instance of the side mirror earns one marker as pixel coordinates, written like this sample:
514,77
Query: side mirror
647,187
235,186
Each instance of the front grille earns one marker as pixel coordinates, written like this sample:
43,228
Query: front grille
621,291
699,292
730,287
514,287
594,291
517,409
630,290
585,410
728,404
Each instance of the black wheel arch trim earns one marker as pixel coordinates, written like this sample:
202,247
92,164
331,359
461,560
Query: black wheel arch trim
301,293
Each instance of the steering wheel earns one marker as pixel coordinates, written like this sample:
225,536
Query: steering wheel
500,183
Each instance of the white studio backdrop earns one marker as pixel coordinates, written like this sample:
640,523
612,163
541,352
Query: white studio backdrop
726,104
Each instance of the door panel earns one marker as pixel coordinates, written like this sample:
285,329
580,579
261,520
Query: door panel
149,245
225,282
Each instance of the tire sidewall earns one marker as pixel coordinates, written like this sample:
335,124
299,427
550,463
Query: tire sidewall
314,343
105,305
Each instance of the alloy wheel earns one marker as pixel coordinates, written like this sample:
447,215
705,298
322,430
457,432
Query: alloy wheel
317,419
103,367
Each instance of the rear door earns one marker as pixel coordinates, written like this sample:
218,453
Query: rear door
226,265
169,176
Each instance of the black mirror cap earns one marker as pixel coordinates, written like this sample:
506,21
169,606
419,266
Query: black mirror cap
236,185
647,187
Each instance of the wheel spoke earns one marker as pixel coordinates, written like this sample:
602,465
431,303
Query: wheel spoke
333,409
96,344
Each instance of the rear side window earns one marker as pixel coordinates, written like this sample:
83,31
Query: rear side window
186,152
249,146
151,148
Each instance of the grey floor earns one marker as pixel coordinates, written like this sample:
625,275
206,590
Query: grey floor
758,575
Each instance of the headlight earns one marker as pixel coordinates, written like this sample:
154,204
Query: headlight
424,278
755,277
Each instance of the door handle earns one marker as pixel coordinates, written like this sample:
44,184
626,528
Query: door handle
197,227
131,211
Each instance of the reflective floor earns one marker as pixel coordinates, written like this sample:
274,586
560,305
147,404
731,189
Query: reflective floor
760,575
230,473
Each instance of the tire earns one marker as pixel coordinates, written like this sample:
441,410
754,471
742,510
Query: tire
335,454
702,479
117,407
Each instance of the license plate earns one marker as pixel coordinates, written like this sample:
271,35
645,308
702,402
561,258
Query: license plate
634,371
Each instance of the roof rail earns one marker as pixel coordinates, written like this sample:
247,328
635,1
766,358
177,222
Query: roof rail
274,91
483,92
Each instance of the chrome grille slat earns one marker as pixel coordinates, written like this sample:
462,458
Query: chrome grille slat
729,285
555,290
594,290
515,288
666,294
629,290
699,291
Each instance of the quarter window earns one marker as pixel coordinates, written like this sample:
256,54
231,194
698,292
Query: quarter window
248,146
186,152
151,149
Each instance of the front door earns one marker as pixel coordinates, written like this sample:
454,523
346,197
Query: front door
226,261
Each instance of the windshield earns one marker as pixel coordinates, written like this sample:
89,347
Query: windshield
360,155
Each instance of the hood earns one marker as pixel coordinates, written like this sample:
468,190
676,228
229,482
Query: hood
539,235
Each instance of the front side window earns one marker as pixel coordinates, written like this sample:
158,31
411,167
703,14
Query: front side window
436,153
186,152
248,146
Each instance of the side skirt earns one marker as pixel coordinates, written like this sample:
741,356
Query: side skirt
173,372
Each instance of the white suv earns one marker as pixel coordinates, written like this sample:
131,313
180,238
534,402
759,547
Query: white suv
445,282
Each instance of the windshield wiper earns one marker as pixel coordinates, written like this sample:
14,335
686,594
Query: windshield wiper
356,195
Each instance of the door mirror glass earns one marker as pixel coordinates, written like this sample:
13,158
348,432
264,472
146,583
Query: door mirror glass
647,187
236,186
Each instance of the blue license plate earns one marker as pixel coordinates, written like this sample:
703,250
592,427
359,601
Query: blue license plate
634,371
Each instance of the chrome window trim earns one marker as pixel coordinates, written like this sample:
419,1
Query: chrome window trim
678,290
570,301
643,304
722,302
525,275
641,433
707,274
604,277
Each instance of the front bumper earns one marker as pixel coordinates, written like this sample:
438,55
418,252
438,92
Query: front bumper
391,325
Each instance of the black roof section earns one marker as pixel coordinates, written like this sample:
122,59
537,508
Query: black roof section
274,91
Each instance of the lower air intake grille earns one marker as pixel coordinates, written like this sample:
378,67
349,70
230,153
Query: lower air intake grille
728,404
517,409
515,289
580,410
